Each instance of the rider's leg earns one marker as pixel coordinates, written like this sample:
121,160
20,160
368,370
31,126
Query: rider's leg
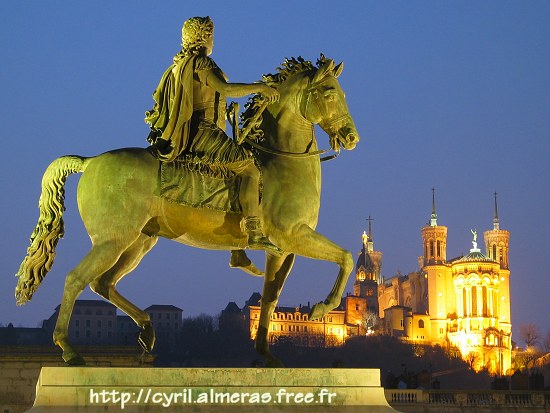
250,203
249,194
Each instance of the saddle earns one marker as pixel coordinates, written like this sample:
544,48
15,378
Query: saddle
189,183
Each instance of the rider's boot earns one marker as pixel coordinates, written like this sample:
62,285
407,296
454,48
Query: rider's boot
256,239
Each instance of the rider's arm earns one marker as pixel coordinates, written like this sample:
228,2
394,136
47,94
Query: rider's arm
216,81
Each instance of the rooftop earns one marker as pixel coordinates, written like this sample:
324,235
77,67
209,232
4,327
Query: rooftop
163,307
475,255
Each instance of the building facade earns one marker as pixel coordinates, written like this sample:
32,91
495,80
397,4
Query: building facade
93,322
461,303
292,324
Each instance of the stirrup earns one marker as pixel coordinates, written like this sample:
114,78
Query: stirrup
256,239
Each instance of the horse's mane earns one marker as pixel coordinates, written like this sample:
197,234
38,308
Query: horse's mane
287,69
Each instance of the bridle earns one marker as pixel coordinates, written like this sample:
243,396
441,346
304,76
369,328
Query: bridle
328,123
312,94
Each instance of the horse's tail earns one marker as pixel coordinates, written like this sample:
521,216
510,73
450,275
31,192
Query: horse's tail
49,229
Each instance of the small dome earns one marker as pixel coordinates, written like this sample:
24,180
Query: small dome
364,261
475,255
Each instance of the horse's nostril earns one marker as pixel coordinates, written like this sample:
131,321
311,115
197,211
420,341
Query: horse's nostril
352,137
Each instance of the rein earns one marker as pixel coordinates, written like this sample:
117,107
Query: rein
242,135
293,154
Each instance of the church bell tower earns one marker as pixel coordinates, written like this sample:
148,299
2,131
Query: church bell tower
434,239
368,271
497,241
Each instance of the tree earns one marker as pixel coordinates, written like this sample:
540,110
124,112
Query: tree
473,359
530,334
371,322
546,342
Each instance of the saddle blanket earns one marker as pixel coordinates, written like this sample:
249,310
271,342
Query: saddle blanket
183,183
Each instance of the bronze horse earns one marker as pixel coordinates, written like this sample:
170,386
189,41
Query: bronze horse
119,202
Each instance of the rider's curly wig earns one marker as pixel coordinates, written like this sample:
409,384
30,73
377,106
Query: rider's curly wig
195,33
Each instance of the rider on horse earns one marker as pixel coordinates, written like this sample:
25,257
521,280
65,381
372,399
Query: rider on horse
189,115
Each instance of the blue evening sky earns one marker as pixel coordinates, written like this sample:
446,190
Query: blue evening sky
445,94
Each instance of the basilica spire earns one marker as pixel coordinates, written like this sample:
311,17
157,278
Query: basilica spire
433,219
496,224
370,244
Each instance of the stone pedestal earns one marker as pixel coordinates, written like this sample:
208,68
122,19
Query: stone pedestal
20,367
97,389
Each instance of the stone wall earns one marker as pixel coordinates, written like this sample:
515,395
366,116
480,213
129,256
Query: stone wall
20,367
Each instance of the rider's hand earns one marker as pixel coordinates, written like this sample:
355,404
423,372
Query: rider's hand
271,94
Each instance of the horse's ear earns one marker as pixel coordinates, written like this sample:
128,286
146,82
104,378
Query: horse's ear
326,68
338,69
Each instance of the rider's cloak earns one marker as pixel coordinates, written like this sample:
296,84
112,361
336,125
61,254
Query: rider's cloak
171,114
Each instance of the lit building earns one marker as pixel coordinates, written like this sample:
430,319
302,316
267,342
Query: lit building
294,325
352,318
461,303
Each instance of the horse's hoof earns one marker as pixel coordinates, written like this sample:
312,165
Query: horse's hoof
263,243
253,270
318,311
250,269
73,359
273,362
146,338
241,261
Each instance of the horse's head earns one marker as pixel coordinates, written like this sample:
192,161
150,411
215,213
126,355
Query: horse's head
324,103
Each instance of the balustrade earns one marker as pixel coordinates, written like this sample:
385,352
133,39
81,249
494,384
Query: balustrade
538,401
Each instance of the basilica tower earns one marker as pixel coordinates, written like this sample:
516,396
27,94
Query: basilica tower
481,324
367,280
497,241
368,271
434,239
439,281
369,263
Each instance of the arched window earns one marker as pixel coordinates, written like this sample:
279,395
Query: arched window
431,248
420,323
438,249
464,302
485,300
474,300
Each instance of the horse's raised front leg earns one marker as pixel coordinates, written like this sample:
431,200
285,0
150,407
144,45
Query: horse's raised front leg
311,244
105,286
276,271
99,259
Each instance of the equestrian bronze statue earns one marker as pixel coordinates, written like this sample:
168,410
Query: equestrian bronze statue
130,197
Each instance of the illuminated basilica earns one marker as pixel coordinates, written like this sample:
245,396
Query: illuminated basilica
461,303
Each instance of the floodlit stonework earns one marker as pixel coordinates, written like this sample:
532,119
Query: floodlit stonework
461,303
